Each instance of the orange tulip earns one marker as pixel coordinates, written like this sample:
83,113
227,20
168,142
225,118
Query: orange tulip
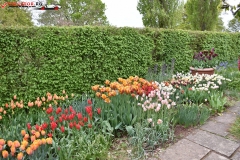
39,142
43,132
95,88
30,104
20,156
6,105
2,142
4,154
25,143
49,140
26,136
107,82
1,147
34,147
9,143
107,100
0,117
13,150
22,147
23,132
37,134
33,138
102,89
98,94
108,89
104,96
1,109
43,141
16,144
29,151
14,97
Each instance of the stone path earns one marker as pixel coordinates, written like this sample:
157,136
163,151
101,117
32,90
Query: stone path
211,141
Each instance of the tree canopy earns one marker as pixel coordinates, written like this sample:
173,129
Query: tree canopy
202,14
234,9
75,12
234,25
15,16
161,13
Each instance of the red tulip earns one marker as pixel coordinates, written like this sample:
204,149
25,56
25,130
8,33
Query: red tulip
71,125
62,129
49,110
99,110
58,110
51,118
29,126
79,115
53,125
78,126
89,101
88,109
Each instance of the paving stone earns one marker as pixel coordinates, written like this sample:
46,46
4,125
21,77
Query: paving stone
214,142
234,109
215,156
216,127
184,150
236,156
227,118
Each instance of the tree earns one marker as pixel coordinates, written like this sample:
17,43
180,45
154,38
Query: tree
220,25
161,13
75,12
15,17
202,14
234,25
235,13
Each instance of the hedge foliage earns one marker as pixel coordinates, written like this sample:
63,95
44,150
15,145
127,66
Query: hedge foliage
36,60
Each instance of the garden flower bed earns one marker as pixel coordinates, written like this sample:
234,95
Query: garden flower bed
83,127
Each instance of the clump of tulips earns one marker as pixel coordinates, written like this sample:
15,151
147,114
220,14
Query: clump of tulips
66,118
132,86
40,102
60,120
26,146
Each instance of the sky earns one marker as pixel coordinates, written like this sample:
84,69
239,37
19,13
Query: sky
121,13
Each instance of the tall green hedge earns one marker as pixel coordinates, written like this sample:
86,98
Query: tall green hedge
40,59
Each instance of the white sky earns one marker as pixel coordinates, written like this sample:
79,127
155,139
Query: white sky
122,13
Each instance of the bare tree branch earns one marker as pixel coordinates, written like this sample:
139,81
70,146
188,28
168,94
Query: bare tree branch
231,7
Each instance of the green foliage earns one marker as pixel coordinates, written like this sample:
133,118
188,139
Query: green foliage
82,145
147,136
40,59
217,102
234,25
121,112
75,12
231,71
235,128
172,44
160,14
192,115
202,15
14,16
37,60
